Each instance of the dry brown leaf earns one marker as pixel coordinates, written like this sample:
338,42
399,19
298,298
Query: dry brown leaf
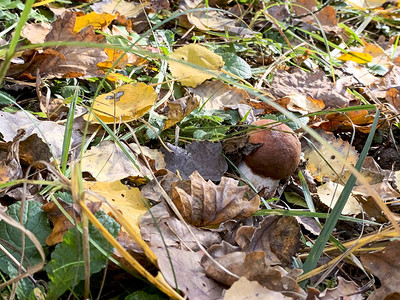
10,167
192,280
151,190
277,236
176,110
61,224
63,61
316,85
175,233
203,203
360,120
347,290
211,20
128,9
304,104
385,265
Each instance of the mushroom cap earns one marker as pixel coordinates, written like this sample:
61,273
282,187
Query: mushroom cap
279,155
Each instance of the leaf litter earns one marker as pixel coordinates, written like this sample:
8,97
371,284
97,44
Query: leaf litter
188,103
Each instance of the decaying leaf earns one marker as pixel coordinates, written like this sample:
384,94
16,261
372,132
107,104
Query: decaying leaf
360,120
10,167
277,236
126,103
128,9
127,200
44,135
344,290
203,203
329,194
218,95
325,166
386,266
63,61
243,289
61,224
190,276
152,191
198,56
304,104
210,20
107,162
176,110
175,233
316,85
202,156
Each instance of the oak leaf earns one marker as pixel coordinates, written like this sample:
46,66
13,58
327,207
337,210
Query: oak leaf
203,203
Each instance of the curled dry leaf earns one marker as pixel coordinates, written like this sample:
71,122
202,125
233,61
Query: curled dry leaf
61,223
176,110
126,103
277,236
63,61
382,264
198,56
203,203
344,290
10,167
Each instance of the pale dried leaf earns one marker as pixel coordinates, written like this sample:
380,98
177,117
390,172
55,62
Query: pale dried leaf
210,20
36,33
346,290
107,162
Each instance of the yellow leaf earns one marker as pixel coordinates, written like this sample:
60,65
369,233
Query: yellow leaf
196,55
98,21
358,57
113,56
125,199
126,103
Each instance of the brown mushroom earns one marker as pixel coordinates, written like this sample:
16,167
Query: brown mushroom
275,159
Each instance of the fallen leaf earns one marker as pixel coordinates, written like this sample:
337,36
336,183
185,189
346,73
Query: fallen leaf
366,4
113,56
60,222
186,265
107,162
176,110
152,191
277,236
385,265
198,56
202,156
174,232
360,120
316,85
203,203
51,134
358,57
126,103
127,200
329,194
97,21
36,33
128,9
210,20
344,290
304,104
243,289
218,95
10,167
63,61
325,166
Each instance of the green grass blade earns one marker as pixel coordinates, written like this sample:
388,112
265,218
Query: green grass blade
330,224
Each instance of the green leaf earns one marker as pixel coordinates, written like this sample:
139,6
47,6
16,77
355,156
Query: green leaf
34,220
236,65
377,69
6,99
66,267
142,295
